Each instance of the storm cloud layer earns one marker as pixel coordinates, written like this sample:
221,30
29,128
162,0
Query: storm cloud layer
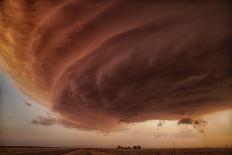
101,64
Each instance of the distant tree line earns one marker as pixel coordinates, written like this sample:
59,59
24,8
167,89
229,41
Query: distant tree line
134,147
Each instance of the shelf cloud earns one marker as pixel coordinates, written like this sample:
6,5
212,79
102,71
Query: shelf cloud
102,64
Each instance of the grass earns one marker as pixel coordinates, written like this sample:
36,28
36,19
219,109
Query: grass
186,151
22,150
69,151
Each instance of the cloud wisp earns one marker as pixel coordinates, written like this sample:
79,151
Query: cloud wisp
102,64
198,124
45,121
27,103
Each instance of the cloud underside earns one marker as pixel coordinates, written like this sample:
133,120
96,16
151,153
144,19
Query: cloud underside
101,64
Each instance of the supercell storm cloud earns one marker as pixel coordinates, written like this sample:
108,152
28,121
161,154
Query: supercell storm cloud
103,63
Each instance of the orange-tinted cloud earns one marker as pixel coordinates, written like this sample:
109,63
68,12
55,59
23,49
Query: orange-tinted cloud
103,63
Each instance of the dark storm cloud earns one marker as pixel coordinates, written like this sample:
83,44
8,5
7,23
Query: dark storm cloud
46,121
187,121
195,123
101,64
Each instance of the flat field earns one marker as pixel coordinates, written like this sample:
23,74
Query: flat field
187,151
92,151
23,150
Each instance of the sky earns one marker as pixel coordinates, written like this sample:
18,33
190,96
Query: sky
97,73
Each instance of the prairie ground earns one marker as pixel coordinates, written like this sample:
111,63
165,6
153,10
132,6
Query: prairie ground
92,151
21,150
156,152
